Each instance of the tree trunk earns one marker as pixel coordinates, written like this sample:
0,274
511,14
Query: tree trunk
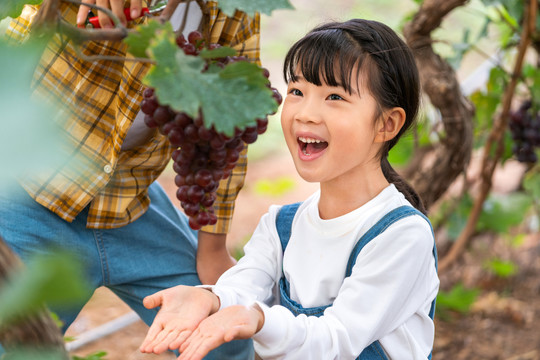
440,166
33,333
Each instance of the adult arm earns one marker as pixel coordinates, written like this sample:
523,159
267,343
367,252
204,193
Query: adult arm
213,257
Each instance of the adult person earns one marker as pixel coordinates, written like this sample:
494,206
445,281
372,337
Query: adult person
103,202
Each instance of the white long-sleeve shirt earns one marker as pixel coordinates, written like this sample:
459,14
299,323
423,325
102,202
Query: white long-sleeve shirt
387,297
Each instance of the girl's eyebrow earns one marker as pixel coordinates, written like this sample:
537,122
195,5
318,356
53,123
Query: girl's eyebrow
338,85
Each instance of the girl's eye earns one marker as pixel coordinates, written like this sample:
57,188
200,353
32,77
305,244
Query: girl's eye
295,92
335,97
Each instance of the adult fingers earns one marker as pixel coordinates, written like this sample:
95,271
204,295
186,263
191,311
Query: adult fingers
116,6
82,14
135,8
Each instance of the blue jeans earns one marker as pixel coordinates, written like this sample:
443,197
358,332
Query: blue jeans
155,252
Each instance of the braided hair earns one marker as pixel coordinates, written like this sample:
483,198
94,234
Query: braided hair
331,53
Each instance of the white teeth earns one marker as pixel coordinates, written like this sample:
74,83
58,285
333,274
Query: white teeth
309,140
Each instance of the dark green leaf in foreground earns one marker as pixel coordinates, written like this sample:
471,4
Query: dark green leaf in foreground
13,8
29,140
233,97
54,280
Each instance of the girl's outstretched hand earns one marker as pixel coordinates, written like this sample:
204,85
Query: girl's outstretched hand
182,309
230,323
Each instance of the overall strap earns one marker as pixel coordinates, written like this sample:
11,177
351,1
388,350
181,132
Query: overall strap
284,221
379,227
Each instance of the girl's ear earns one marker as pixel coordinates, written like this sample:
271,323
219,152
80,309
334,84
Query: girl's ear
391,123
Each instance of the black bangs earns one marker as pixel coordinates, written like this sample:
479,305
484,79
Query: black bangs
326,56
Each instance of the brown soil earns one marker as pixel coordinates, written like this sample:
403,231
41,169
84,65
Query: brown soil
502,323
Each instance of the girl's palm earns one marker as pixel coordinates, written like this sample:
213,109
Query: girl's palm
182,309
234,322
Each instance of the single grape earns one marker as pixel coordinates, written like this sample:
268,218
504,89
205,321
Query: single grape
162,115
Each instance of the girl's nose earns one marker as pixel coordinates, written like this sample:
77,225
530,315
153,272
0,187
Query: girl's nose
309,111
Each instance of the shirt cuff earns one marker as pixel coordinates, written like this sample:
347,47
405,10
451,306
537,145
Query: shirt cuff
271,334
225,298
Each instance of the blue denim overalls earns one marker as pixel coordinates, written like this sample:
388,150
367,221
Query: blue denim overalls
283,224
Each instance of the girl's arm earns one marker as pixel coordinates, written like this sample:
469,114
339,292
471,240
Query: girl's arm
184,307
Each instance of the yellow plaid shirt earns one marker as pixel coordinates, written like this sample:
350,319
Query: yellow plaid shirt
100,100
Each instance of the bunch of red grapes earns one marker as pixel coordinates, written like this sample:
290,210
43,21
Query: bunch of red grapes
525,128
203,156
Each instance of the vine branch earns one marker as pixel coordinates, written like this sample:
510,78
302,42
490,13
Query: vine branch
439,81
495,140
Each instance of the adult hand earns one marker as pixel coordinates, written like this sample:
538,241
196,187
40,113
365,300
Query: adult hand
213,258
182,309
117,8
230,323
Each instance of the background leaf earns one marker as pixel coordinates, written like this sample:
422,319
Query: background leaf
252,6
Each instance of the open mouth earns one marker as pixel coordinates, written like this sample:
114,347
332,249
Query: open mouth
310,146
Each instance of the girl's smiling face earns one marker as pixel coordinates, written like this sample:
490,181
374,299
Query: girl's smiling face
330,132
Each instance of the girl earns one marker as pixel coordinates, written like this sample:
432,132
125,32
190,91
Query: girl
350,273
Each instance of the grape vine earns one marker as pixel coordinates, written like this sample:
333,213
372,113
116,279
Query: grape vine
525,128
203,155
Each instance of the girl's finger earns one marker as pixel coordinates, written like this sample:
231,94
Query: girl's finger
180,339
232,333
202,346
189,339
158,340
82,14
164,344
152,301
150,337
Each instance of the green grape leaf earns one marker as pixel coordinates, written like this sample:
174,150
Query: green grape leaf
250,7
222,51
233,97
139,40
13,8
